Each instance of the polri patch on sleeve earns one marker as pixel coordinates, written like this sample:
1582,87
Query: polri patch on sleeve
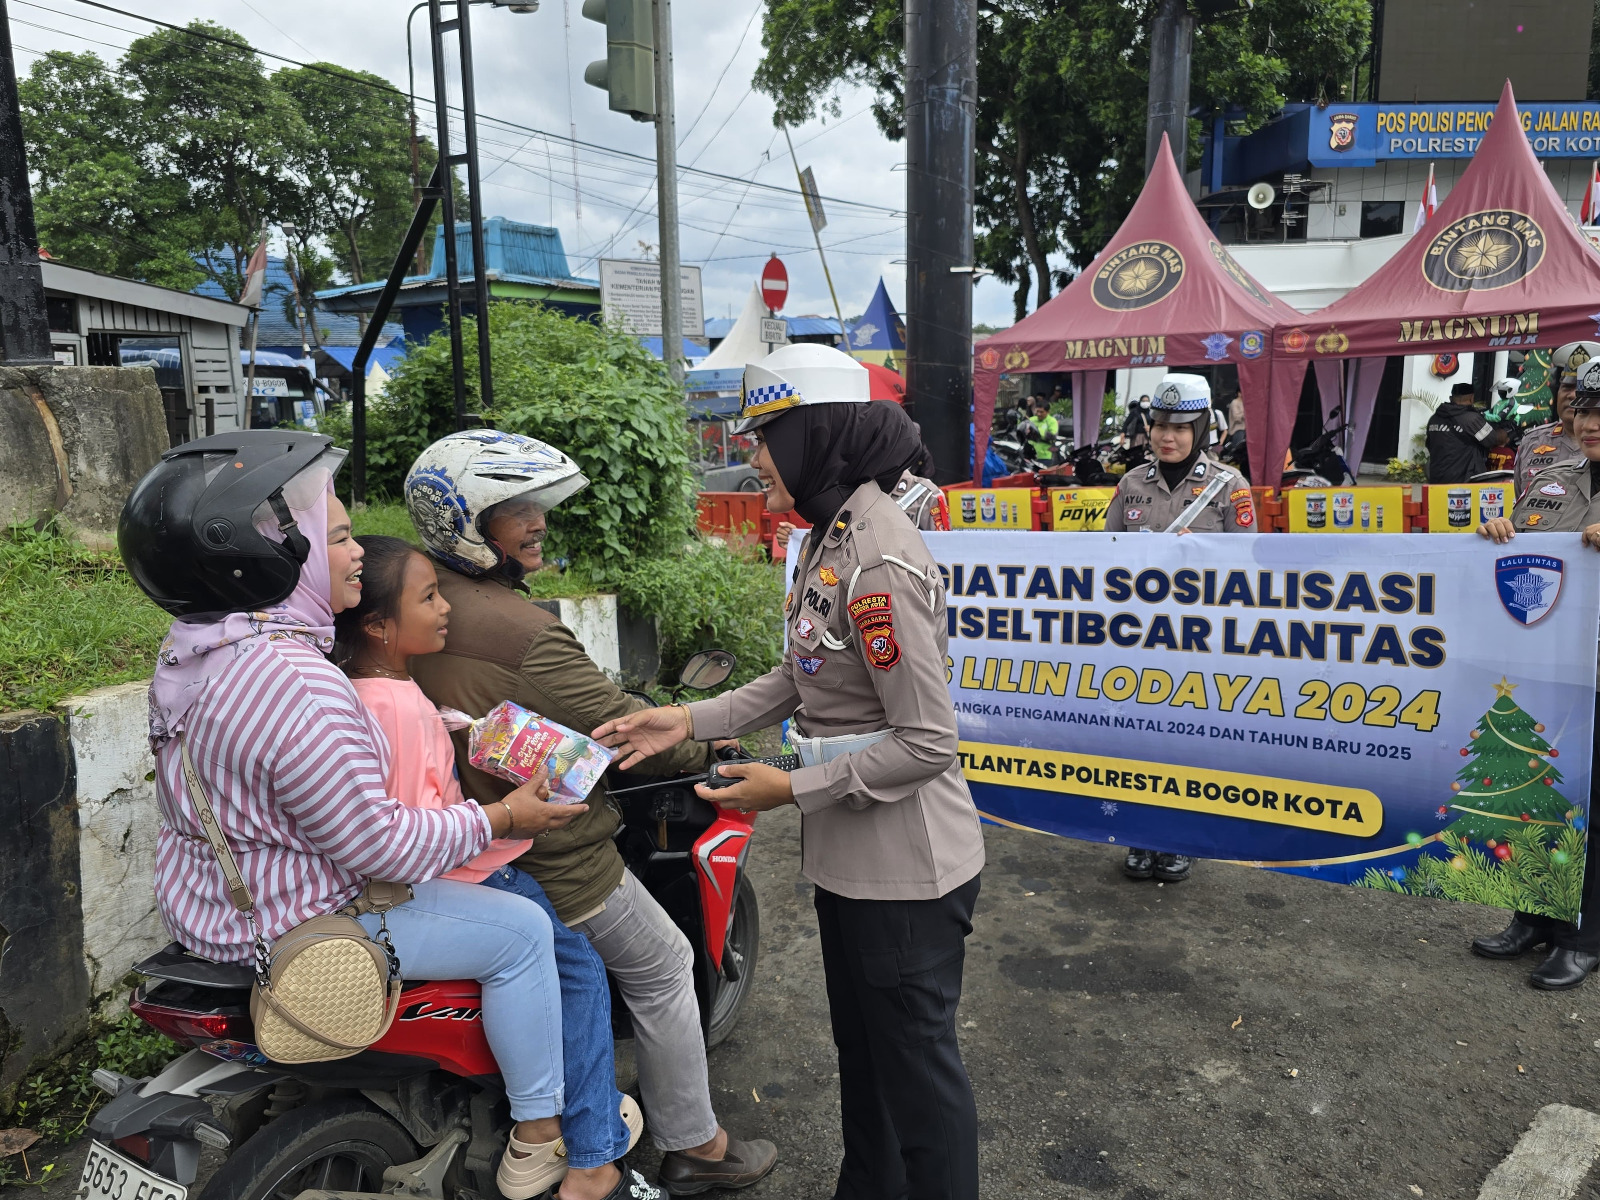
870,609
878,641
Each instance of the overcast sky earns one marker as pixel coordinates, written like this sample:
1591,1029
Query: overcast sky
530,74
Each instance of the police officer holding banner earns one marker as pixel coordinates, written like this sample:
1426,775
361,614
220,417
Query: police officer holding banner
1183,491
890,836
1564,498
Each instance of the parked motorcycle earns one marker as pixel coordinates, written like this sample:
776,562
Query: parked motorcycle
1319,464
422,1113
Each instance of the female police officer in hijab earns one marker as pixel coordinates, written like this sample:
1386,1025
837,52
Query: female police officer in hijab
890,835
1151,499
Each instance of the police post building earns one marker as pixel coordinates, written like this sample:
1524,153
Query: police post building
1344,181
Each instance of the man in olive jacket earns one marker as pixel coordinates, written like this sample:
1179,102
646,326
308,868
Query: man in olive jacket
479,500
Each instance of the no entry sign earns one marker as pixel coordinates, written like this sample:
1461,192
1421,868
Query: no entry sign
774,283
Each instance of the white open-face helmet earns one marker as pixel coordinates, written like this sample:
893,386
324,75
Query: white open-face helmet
460,477
1568,361
804,373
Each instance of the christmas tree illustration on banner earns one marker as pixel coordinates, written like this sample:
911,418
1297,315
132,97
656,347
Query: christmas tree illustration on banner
1515,842
1510,777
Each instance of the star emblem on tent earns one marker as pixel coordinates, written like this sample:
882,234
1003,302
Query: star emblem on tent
1484,254
864,333
1136,278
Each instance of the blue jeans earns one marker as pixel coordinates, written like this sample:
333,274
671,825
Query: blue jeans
592,1126
453,930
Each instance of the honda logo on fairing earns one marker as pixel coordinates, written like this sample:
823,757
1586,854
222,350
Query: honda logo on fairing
716,843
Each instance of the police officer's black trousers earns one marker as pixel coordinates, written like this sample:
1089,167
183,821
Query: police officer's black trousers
894,978
1567,935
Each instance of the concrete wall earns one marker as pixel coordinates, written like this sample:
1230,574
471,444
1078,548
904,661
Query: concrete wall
117,823
74,441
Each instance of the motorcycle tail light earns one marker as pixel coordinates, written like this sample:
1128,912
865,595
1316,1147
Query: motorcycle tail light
136,1145
192,1028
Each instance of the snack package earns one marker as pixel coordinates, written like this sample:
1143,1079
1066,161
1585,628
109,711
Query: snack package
513,743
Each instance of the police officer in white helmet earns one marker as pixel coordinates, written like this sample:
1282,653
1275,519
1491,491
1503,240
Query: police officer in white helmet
1151,498
1545,445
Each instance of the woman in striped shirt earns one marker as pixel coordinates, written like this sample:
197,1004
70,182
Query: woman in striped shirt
241,537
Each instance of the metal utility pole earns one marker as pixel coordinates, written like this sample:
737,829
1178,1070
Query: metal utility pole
940,109
667,195
24,325
1171,43
462,27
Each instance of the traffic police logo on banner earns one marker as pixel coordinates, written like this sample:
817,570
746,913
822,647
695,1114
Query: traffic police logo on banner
1528,585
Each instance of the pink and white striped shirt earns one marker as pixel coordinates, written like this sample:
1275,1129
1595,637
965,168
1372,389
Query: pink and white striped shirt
294,765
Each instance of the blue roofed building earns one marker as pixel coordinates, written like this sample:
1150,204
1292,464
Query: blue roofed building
281,333
525,262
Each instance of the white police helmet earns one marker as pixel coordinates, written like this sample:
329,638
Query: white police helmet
803,373
460,477
1181,399
1588,396
1568,360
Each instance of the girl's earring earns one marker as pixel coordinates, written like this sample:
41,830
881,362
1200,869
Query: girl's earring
386,638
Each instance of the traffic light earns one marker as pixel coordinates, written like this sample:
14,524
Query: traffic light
628,71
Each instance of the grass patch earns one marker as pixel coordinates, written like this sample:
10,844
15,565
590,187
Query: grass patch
386,518
71,620
57,1100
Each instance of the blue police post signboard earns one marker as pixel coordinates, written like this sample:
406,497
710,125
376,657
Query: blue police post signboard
1360,135
1413,716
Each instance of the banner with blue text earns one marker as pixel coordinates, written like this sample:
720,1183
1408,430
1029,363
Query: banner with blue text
1404,712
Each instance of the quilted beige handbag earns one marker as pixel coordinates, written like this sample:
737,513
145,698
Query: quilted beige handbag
325,990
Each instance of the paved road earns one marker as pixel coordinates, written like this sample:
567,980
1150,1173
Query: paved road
1243,1034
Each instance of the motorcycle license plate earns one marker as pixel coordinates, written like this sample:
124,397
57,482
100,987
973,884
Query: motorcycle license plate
108,1175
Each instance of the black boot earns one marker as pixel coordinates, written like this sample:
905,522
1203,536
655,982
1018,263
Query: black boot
1515,940
1564,969
1172,868
1141,864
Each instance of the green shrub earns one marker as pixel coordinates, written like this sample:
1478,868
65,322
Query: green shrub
590,390
70,620
386,517
711,595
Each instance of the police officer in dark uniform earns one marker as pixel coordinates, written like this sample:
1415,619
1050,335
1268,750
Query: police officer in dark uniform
1459,438
1152,498
889,833
1564,498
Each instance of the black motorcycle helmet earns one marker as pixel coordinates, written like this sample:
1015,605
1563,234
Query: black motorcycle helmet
188,532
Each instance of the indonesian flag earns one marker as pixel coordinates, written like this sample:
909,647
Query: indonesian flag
1587,215
255,276
1430,202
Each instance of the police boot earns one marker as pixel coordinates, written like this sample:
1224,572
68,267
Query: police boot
1564,969
1140,864
1515,940
1172,868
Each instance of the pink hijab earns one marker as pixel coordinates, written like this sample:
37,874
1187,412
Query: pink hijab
196,652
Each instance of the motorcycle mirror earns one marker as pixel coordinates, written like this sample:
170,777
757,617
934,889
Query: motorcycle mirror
706,669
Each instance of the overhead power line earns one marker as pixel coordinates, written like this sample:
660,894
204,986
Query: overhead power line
384,85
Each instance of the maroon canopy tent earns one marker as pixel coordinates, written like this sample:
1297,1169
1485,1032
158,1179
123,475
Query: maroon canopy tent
1163,293
1501,265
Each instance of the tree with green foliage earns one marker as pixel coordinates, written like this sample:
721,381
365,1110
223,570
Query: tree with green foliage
165,166
1061,99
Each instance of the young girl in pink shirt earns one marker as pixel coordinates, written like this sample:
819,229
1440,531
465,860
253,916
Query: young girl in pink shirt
401,615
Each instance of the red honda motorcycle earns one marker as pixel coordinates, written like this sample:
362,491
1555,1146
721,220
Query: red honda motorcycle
422,1113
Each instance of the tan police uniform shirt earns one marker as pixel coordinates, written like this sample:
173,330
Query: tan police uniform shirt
1558,500
922,501
866,652
1543,446
1144,502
